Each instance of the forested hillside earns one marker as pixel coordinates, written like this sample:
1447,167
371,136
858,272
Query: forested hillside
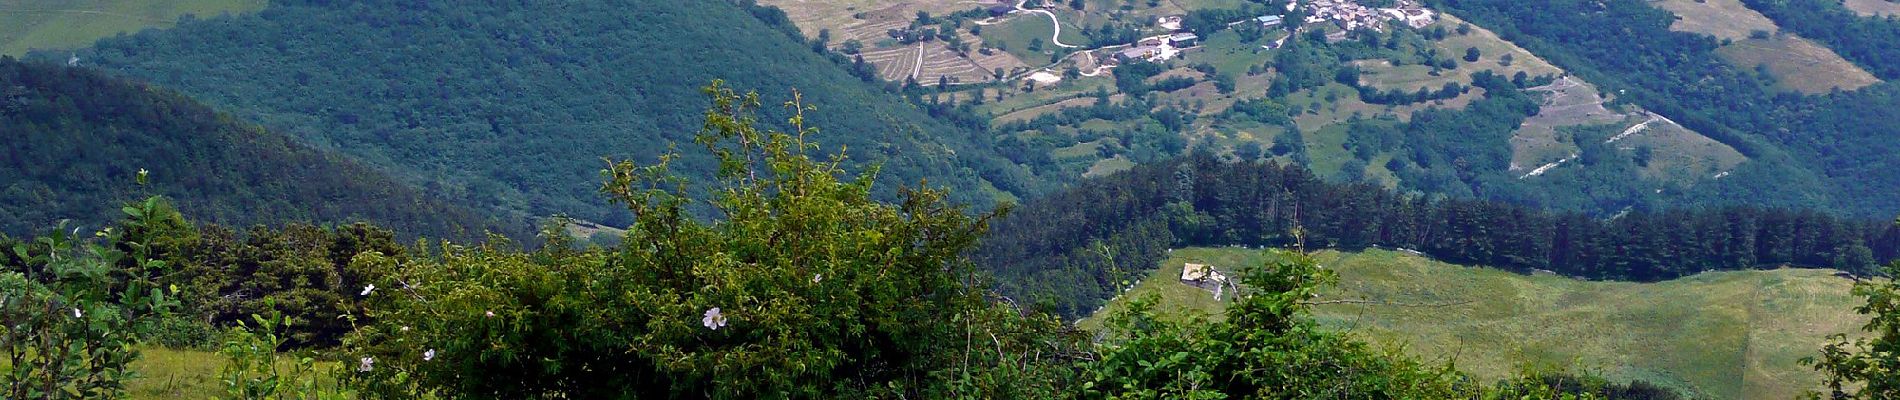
512,105
806,287
1831,150
1073,249
74,142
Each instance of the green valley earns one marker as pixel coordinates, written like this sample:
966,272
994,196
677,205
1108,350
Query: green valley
950,199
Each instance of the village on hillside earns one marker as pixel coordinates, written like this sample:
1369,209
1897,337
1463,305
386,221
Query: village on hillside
1044,76
932,43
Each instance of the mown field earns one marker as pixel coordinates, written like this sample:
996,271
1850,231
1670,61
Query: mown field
60,24
1729,335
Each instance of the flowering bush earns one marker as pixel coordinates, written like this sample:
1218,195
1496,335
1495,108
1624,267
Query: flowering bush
72,309
799,285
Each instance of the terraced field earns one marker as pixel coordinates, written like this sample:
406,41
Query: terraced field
1730,335
62,24
870,21
894,63
865,20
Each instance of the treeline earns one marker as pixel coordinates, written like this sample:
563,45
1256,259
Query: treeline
74,141
1070,249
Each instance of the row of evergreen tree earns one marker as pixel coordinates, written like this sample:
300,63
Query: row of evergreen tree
1071,250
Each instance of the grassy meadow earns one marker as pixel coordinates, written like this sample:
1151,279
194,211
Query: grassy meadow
1798,64
1873,8
62,24
1730,335
192,374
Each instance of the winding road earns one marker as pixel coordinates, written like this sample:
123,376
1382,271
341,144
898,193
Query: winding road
1057,37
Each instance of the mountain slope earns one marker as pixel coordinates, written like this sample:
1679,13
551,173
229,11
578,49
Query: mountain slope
1830,150
1729,335
513,105
74,140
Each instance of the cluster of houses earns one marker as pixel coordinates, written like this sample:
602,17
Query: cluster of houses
1351,16
1158,48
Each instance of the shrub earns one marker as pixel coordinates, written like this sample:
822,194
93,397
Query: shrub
71,307
798,286
254,370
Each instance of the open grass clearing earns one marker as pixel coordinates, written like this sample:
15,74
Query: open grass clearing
1206,95
65,24
165,374
995,59
1798,64
1326,148
1717,335
1016,99
1724,19
1039,111
1873,8
1080,150
1679,155
1345,103
1232,57
1108,166
1383,74
1016,34
1568,102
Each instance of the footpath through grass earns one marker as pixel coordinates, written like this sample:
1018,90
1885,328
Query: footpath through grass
1731,335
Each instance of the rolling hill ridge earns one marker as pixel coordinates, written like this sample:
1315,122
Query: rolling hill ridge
511,107
76,141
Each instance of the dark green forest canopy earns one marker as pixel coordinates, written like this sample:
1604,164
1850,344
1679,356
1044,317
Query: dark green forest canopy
1070,250
512,105
72,143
